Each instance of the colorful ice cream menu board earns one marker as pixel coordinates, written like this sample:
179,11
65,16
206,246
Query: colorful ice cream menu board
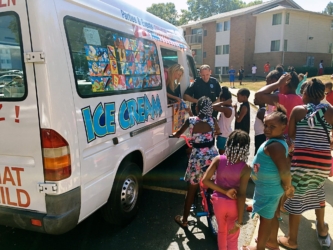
125,64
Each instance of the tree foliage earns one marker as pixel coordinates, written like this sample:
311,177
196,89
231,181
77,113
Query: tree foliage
201,9
165,11
255,2
197,9
329,9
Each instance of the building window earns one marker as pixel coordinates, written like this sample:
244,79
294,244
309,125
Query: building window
219,27
217,70
205,32
225,70
275,45
310,61
218,50
330,48
204,54
287,18
226,25
197,31
285,45
277,19
226,49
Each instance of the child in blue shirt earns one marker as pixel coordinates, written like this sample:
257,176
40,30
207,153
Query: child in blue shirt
271,175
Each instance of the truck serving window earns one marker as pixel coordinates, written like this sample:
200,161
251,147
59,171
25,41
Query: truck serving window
12,83
109,62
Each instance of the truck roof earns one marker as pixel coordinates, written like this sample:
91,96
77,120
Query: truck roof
131,14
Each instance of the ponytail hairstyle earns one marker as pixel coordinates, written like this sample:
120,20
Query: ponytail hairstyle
281,113
205,108
315,89
237,146
294,81
225,93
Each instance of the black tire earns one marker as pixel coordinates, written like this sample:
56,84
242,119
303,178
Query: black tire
123,203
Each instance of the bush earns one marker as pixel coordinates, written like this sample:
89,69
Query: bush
328,70
312,71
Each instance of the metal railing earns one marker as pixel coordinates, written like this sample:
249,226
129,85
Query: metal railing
194,39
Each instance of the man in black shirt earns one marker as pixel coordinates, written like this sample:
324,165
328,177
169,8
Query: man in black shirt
203,86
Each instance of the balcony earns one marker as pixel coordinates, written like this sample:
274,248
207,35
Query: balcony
194,39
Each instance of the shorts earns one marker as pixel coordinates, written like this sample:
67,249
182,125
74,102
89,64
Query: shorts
220,144
265,205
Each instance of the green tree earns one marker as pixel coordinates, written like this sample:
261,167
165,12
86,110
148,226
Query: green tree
201,9
165,11
184,17
255,2
329,9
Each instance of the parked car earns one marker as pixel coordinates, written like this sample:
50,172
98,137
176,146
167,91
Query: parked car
14,88
5,79
8,78
11,72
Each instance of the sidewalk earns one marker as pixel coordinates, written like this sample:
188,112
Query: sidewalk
307,231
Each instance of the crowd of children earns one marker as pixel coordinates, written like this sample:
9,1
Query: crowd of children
292,158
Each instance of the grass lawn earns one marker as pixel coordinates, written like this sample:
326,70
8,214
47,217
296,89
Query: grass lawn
247,82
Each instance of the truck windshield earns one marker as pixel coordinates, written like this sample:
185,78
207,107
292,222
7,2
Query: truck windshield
12,84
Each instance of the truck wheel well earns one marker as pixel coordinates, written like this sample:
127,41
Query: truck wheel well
135,157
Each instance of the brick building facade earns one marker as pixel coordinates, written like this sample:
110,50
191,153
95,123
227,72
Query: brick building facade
271,31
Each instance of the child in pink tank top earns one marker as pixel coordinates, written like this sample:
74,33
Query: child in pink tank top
232,176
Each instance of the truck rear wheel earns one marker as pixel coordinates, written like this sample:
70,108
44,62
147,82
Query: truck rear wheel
123,203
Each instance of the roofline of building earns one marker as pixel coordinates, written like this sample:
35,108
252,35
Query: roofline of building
293,9
260,7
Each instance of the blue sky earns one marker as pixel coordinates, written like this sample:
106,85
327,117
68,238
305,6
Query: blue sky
312,5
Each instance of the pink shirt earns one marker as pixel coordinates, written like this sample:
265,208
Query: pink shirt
329,97
289,102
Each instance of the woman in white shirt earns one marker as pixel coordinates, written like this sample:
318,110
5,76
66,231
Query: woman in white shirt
226,115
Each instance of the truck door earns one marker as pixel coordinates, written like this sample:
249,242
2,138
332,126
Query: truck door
21,162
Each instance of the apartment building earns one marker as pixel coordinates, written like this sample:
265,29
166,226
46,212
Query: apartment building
277,31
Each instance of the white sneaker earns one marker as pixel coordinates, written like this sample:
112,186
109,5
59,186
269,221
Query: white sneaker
324,242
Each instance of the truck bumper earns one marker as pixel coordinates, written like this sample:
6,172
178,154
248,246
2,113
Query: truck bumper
62,215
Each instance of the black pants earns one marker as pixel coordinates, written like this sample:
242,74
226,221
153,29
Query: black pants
258,140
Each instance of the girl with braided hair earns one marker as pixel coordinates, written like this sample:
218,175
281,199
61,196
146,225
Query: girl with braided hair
202,129
271,176
311,163
232,176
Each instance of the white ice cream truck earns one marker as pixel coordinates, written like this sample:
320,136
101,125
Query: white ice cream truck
86,115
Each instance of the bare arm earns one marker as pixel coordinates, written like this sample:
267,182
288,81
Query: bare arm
297,114
190,98
217,127
206,180
261,114
225,110
241,194
292,125
182,129
264,94
173,97
277,152
239,117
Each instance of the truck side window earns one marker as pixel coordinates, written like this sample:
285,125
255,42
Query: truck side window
12,82
109,62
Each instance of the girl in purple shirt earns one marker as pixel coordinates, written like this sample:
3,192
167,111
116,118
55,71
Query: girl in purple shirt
232,176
